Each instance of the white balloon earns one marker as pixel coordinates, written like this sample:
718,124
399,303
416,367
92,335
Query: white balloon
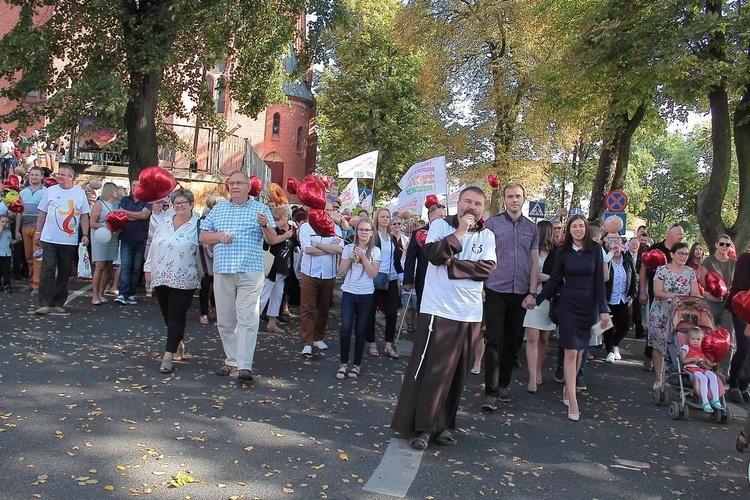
102,235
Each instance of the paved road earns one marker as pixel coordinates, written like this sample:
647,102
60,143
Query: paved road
85,414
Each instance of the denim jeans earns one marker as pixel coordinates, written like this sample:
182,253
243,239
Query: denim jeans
354,305
131,266
7,165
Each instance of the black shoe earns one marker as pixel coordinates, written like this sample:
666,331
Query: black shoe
580,384
746,396
735,396
244,375
490,403
503,395
281,320
445,438
560,375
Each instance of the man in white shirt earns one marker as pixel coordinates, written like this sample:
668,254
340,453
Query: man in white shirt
7,158
462,255
317,280
63,209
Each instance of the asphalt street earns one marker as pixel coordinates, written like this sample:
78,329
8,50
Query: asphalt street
85,414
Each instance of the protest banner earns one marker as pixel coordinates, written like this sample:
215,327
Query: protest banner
349,197
362,167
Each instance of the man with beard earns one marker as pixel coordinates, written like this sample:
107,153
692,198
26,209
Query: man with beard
508,292
461,254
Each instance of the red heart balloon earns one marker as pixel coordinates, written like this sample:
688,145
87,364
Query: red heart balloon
321,221
50,181
116,220
716,286
326,181
493,181
291,185
430,201
312,192
732,253
654,259
421,237
256,186
716,344
154,183
741,306
701,290
16,207
12,183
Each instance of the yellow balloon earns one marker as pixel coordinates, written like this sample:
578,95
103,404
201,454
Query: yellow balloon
9,196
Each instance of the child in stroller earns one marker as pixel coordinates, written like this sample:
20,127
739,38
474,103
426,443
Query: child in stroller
696,363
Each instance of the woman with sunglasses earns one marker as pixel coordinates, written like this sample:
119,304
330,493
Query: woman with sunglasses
721,263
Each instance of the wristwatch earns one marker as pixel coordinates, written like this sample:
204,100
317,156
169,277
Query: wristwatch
264,225
533,294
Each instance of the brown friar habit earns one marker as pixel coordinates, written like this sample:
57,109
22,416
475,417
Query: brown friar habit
439,363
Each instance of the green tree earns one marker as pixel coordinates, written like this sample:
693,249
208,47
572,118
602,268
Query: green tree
369,95
485,52
673,175
130,62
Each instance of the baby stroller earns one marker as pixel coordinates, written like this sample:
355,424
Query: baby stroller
685,313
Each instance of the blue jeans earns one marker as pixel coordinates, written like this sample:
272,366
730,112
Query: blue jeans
354,305
131,266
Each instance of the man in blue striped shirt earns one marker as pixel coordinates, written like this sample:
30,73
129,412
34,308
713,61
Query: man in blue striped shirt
237,228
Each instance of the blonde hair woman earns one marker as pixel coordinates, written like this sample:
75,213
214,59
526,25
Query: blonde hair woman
103,254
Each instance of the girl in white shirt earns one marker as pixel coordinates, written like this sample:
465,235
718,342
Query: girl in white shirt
360,262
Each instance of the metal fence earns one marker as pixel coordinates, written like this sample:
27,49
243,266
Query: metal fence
216,154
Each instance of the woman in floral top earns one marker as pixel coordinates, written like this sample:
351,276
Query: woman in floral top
671,280
174,272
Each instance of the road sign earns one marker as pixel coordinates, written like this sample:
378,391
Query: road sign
576,211
537,209
620,215
616,201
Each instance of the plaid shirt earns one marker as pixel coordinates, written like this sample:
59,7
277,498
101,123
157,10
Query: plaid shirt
245,253
514,242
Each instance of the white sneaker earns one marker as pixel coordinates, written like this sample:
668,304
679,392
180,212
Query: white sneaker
320,345
307,350
610,358
618,356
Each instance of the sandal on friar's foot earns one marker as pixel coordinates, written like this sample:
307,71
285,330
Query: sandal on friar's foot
354,372
739,444
445,438
420,441
341,372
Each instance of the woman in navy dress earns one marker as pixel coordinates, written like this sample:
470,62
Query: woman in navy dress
579,262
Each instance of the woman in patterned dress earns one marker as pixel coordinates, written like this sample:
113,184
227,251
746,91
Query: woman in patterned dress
671,280
174,272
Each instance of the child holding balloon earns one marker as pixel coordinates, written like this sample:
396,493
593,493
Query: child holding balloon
699,365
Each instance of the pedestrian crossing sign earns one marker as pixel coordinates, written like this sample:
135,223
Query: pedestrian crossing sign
537,209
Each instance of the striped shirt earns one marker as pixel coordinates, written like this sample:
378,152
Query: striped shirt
245,253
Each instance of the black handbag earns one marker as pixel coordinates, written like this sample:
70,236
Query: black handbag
381,282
